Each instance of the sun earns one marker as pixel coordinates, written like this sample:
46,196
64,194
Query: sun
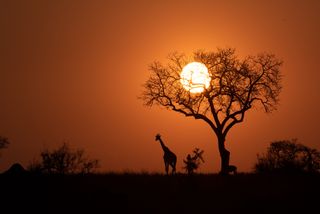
195,77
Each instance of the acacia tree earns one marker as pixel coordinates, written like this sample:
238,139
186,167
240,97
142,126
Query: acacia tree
236,86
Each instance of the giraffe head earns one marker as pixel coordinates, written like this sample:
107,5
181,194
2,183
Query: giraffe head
158,136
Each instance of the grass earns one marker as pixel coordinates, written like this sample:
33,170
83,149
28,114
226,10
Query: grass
158,193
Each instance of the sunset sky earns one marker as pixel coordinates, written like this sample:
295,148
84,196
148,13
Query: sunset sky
72,71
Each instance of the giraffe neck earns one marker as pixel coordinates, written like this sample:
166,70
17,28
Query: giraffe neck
164,148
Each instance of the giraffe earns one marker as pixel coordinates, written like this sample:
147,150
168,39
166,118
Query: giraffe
170,159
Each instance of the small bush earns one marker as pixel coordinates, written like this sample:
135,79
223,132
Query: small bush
64,160
192,163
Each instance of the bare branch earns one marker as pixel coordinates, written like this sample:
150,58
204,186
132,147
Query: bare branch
236,86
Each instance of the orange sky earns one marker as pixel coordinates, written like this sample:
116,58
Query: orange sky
72,70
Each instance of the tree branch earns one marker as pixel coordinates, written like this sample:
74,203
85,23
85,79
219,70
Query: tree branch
236,86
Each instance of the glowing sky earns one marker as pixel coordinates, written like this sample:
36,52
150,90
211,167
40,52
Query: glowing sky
72,71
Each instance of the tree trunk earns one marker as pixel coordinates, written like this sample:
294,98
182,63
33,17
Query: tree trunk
224,155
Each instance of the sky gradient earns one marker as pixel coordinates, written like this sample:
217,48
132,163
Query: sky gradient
72,71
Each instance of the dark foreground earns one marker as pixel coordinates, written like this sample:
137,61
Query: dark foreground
142,193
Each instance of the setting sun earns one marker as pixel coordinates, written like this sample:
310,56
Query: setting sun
195,77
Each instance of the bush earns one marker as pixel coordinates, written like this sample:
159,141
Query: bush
192,163
288,156
64,160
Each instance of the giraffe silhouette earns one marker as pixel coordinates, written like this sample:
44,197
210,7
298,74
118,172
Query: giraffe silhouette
170,159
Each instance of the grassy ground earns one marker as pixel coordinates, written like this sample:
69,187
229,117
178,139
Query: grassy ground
145,193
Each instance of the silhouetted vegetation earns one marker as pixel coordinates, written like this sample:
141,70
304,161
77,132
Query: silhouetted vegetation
192,163
64,160
288,156
236,86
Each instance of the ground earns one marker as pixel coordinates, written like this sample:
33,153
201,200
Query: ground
156,193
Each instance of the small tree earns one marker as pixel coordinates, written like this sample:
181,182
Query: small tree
288,156
192,163
64,160
235,87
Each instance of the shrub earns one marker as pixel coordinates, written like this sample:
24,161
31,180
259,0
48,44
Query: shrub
288,156
64,160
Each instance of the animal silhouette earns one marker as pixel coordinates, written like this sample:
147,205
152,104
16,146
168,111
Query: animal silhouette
232,168
170,159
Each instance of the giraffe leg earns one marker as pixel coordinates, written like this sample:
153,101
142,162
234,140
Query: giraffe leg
173,167
167,168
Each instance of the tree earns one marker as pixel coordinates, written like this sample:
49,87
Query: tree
288,156
64,160
193,162
236,86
